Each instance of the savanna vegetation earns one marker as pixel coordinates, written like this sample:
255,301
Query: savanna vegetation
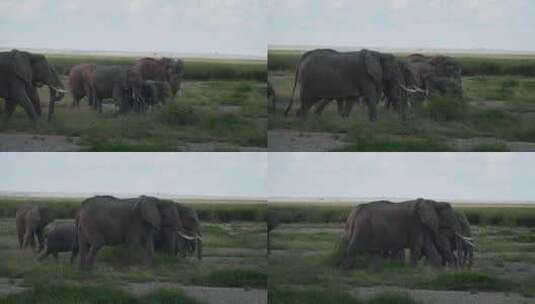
305,247
494,115
222,107
233,256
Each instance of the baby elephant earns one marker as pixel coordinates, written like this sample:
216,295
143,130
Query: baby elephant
60,238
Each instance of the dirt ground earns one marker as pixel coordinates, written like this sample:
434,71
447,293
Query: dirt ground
445,297
284,140
22,142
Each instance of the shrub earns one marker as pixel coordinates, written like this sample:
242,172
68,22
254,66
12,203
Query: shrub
466,281
446,109
179,114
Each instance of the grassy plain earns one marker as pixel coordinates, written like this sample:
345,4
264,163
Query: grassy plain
222,108
233,256
495,115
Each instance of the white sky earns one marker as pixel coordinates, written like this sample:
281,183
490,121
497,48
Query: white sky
453,24
206,174
180,26
461,176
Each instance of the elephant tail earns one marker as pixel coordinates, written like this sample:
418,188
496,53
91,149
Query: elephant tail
293,90
75,245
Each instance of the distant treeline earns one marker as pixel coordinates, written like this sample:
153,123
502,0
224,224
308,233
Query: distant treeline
284,61
193,70
66,209
499,216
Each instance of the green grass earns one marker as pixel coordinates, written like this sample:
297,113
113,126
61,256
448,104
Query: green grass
56,293
471,65
497,107
501,216
315,296
194,69
234,278
198,116
65,208
466,281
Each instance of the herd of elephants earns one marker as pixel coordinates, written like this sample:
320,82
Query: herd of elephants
138,87
143,222
381,229
325,75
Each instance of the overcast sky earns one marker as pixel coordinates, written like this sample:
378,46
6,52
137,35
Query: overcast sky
182,26
459,24
464,176
213,174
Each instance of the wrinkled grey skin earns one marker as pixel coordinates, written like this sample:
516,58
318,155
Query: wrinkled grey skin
163,69
109,221
153,93
438,75
121,83
30,222
462,251
324,75
21,73
186,240
380,227
59,238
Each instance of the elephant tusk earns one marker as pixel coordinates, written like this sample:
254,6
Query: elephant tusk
187,237
59,90
411,90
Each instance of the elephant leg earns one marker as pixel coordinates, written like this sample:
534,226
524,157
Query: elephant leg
340,106
19,95
10,108
416,252
40,239
370,93
55,255
149,249
83,249
92,254
36,101
20,234
319,109
44,255
348,106
28,238
306,104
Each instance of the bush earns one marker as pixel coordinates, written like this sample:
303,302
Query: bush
465,281
446,109
179,114
309,296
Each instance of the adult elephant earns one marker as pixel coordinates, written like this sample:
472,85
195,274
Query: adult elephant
423,226
163,69
30,221
327,74
153,92
80,83
462,250
186,239
122,83
21,73
108,221
439,75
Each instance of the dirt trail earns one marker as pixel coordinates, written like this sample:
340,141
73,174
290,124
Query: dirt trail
468,144
283,140
446,297
22,142
209,295
214,146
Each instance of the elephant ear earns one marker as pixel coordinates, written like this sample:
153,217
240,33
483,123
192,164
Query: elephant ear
428,215
22,66
149,211
372,60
